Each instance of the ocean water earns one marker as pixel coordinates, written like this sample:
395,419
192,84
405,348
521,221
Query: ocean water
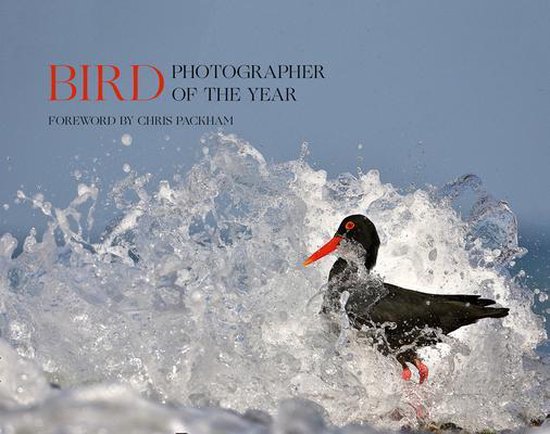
192,313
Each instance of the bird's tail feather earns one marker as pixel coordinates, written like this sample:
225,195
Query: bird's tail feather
474,300
495,312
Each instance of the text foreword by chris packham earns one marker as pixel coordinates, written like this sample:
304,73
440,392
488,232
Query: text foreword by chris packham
146,82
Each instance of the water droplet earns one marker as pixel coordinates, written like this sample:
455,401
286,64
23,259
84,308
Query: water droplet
126,139
196,296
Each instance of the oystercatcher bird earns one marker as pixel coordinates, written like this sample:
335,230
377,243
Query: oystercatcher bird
399,320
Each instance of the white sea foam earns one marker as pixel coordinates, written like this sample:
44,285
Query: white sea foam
195,297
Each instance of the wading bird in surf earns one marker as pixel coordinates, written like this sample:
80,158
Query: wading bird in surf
416,319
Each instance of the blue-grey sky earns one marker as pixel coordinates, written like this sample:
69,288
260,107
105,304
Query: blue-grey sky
432,90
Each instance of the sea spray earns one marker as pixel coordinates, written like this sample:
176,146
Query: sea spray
194,297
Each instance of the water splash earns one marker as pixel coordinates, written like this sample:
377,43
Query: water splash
195,297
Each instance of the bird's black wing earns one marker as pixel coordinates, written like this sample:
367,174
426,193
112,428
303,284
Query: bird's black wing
446,312
413,312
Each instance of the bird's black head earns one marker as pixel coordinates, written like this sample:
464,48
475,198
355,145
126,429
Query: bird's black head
355,228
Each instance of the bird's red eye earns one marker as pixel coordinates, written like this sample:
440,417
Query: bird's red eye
349,226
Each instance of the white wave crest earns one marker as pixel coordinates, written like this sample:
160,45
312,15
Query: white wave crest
195,297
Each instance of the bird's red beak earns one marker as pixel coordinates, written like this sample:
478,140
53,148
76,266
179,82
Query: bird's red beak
323,251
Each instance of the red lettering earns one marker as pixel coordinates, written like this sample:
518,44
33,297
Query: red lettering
68,81
85,69
111,81
135,82
101,74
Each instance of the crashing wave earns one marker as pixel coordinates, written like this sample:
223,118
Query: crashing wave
194,298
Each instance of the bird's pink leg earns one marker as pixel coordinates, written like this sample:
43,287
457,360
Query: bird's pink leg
406,374
421,412
423,370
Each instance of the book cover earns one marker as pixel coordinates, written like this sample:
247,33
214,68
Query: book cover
274,217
